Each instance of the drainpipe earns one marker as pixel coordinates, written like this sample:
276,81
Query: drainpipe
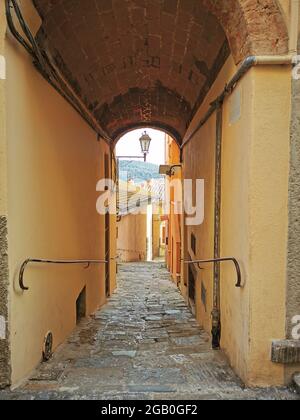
248,63
217,106
216,313
48,70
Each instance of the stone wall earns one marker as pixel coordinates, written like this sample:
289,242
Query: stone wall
293,281
4,335
4,315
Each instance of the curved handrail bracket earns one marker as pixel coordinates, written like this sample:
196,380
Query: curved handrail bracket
219,260
87,264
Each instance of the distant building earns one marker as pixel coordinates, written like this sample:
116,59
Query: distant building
139,225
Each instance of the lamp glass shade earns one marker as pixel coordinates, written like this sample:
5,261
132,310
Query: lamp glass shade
145,141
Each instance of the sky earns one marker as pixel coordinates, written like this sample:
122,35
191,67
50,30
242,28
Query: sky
129,145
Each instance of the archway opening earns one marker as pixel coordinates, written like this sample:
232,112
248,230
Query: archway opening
141,195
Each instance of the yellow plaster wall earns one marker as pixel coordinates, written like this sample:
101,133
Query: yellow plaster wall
113,232
5,362
199,158
285,8
254,216
132,234
268,201
54,163
113,252
156,236
299,30
174,228
289,11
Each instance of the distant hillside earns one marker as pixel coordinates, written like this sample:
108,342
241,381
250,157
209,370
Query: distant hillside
138,171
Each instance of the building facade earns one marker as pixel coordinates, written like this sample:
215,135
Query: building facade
173,220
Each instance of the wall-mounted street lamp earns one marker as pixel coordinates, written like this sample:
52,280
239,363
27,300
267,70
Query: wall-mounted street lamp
145,142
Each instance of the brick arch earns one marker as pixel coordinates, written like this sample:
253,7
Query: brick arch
253,27
156,125
152,62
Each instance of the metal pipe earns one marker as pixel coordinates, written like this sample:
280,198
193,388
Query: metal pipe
28,33
41,261
220,260
247,64
216,312
14,31
49,71
32,51
217,105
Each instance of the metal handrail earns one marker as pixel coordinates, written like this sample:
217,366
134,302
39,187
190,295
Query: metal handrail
217,260
88,263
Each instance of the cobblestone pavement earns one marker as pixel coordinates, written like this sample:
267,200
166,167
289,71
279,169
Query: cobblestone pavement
144,344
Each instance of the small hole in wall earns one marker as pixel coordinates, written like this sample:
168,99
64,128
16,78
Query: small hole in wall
192,284
48,346
81,306
194,243
204,296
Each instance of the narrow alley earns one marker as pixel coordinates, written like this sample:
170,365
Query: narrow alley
144,344
132,130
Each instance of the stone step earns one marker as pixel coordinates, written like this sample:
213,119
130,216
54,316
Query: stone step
286,352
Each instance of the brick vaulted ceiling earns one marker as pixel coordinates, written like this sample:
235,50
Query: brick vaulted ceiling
138,62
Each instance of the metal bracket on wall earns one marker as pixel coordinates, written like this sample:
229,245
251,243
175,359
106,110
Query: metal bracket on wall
87,264
219,260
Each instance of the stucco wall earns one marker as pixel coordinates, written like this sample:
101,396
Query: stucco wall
268,207
113,252
54,163
156,236
132,234
285,9
199,159
253,215
174,222
293,286
199,163
4,310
